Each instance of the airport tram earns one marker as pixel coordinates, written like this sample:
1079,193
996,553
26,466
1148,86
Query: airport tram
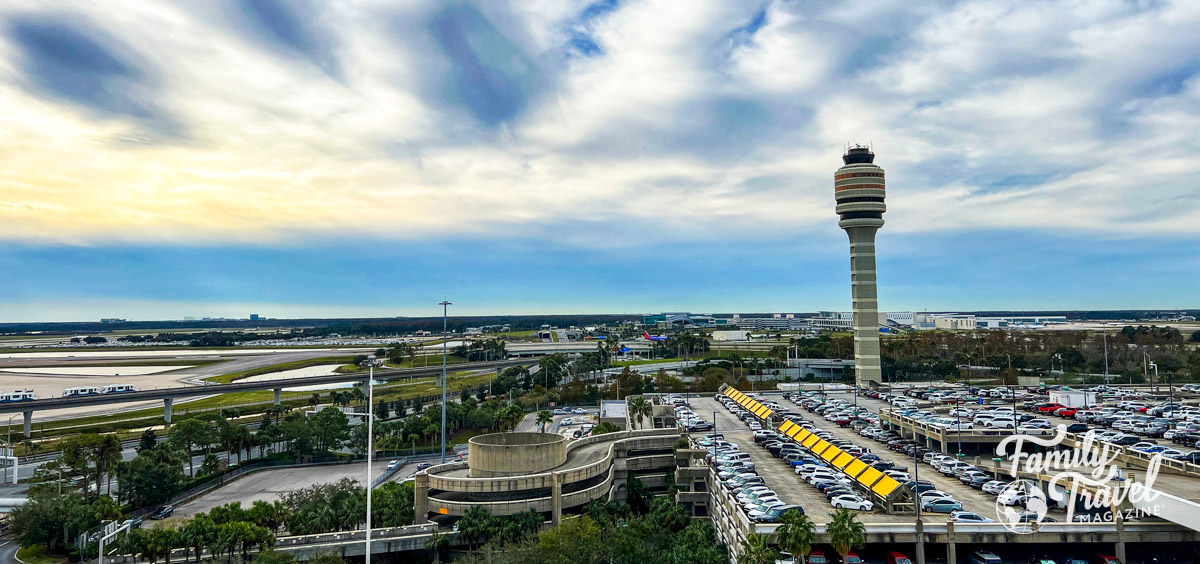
18,396
81,391
96,391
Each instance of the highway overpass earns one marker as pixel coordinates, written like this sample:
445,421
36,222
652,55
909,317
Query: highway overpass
168,395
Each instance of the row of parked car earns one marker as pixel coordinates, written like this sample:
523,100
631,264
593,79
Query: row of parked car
690,420
738,474
933,500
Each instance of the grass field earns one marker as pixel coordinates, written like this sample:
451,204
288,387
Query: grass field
235,376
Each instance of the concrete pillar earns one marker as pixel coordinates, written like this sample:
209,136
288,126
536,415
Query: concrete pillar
556,499
167,403
951,556
1120,521
28,423
420,498
920,541
278,394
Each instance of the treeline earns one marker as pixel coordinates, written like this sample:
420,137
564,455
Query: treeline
230,530
942,354
659,531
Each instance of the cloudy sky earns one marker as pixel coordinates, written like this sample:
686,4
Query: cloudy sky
309,158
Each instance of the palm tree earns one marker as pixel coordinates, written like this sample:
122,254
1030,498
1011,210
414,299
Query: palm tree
314,400
796,533
755,550
474,526
436,544
845,532
640,407
544,418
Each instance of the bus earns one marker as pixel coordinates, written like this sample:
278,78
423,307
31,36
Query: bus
118,389
81,391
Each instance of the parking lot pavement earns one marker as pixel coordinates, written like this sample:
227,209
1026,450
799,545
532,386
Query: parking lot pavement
972,499
776,473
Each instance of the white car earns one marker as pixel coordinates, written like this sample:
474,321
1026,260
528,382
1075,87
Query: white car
994,487
848,501
968,517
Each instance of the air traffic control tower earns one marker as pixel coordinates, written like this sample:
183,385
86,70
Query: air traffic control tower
858,188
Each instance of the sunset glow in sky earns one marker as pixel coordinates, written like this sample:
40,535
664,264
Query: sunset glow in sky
305,158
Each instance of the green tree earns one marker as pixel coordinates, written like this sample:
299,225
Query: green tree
845,532
640,407
571,542
756,550
392,504
269,514
544,417
475,526
153,476
210,465
275,557
47,516
796,534
162,540
198,534
437,544
105,509
148,440
605,427
189,434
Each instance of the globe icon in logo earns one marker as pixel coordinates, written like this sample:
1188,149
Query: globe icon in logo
1009,506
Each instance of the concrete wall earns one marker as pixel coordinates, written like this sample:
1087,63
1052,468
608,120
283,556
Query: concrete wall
515,454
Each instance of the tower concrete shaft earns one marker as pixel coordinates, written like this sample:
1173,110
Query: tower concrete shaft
859,190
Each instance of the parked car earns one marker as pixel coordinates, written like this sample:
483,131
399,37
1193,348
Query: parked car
943,505
894,557
969,517
983,557
852,502
162,512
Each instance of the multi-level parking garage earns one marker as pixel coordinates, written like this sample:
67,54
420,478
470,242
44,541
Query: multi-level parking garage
894,524
507,473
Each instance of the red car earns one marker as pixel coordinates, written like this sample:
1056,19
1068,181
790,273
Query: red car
1066,411
897,558
852,558
1051,407
1106,559
817,557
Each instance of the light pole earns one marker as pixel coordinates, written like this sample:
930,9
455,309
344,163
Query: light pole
920,532
370,444
1105,360
445,337
8,444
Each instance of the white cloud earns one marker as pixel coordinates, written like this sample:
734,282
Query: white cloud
986,114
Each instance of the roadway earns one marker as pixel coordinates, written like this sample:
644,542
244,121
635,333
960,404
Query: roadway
269,485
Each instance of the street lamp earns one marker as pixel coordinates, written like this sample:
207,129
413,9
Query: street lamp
8,444
370,444
920,528
445,337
